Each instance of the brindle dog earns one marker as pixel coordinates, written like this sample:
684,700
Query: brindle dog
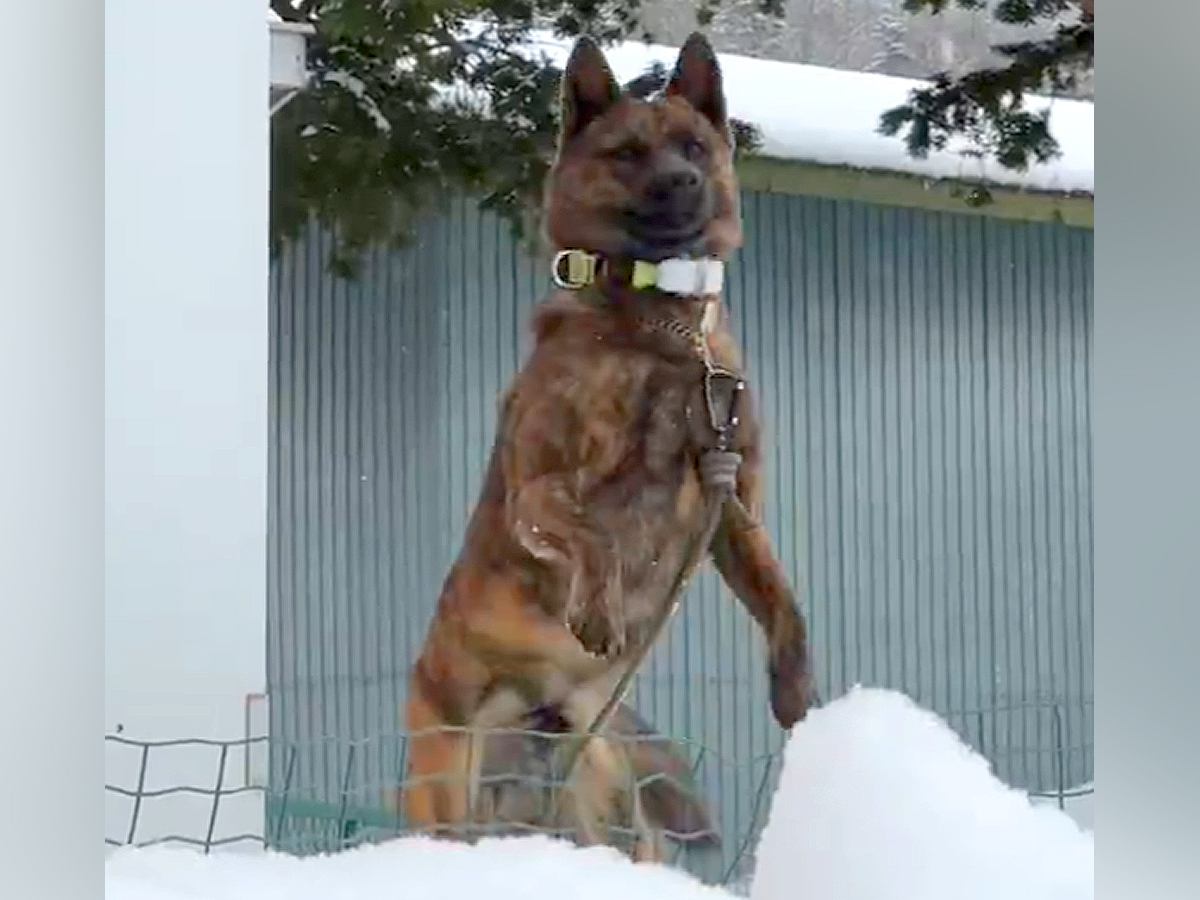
593,492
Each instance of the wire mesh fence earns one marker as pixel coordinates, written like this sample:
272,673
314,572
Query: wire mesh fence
647,814
217,795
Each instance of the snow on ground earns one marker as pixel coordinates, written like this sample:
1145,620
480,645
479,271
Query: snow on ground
526,868
1078,802
878,800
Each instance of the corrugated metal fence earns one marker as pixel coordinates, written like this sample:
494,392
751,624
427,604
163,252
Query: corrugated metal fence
925,380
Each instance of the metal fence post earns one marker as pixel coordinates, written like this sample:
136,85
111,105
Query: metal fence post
287,786
212,818
1059,762
137,800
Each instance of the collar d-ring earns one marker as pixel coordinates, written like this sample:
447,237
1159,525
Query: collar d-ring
573,270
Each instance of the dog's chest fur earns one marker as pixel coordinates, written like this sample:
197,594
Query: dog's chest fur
655,506
635,401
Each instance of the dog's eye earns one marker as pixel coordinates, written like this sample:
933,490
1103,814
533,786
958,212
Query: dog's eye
693,149
627,153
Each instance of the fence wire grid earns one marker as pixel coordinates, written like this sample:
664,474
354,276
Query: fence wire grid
301,818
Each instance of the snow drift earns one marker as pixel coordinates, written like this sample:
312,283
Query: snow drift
878,800
1079,803
526,868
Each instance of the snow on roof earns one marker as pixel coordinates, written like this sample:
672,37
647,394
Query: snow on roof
831,117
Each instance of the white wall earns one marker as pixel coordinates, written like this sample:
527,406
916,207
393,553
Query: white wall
186,157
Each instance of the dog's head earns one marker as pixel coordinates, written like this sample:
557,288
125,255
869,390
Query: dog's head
636,179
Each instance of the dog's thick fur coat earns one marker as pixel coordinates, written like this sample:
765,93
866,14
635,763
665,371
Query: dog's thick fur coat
592,493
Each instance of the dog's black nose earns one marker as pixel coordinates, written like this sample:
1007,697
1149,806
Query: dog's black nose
675,187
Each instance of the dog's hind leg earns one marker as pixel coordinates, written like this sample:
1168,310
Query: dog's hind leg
647,840
503,708
593,793
434,791
601,773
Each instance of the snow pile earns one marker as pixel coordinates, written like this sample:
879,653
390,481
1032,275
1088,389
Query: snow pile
880,800
831,117
1078,802
525,868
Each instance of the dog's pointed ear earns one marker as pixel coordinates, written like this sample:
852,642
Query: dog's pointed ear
697,79
588,87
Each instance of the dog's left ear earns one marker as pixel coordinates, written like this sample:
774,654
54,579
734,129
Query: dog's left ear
697,79
588,88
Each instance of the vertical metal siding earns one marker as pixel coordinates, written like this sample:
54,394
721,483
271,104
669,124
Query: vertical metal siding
925,380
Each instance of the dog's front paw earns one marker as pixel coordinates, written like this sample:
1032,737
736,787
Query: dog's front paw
597,635
792,690
597,622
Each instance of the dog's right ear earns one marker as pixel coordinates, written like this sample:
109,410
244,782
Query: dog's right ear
697,79
588,88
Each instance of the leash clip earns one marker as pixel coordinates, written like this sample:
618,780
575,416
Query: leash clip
722,393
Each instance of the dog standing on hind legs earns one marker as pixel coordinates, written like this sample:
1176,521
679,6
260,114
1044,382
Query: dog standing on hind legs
594,493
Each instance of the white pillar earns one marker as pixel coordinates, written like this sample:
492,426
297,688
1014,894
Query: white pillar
186,193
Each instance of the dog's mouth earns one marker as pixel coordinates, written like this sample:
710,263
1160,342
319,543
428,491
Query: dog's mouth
661,236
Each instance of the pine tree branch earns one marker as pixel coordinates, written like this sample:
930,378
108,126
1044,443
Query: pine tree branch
988,105
1012,12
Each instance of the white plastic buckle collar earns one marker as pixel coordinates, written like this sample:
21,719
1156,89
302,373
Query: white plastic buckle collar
690,277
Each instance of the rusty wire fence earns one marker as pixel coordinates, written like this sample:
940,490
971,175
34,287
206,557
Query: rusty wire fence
216,795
